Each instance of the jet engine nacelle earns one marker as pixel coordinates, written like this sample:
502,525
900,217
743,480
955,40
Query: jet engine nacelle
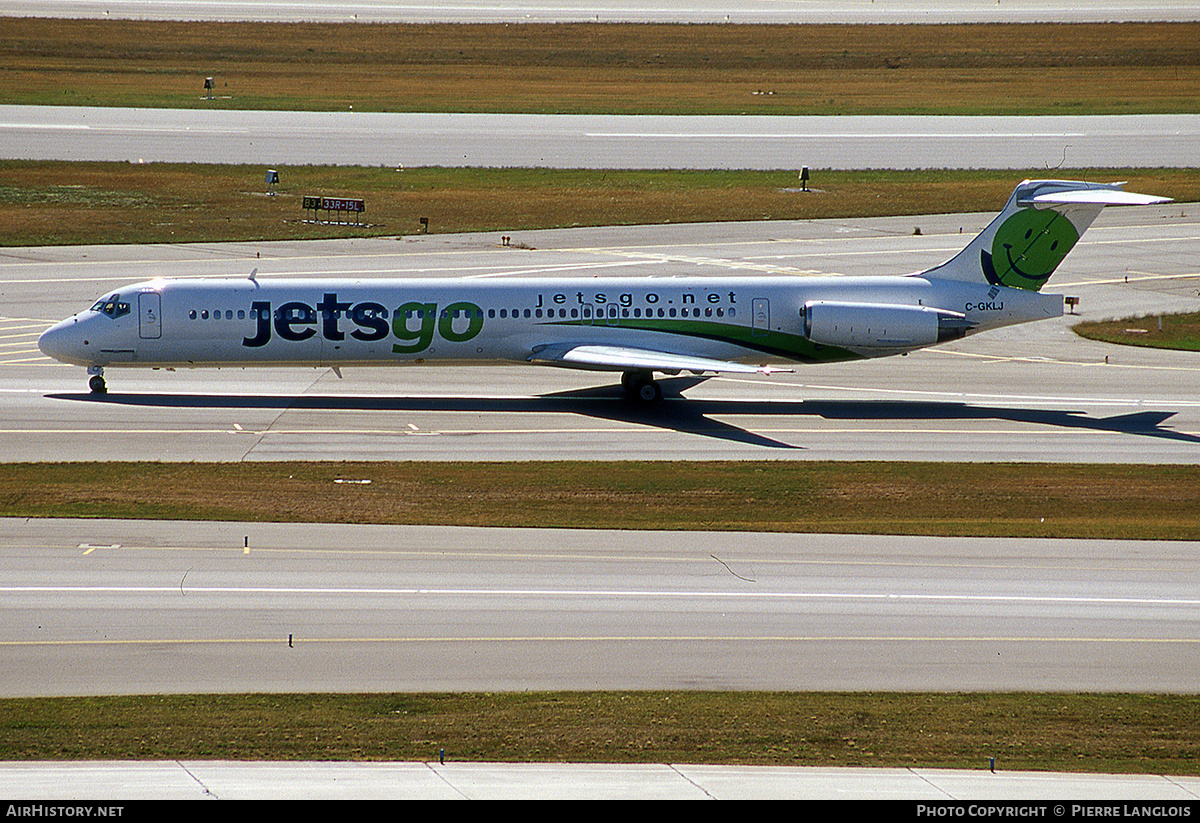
879,326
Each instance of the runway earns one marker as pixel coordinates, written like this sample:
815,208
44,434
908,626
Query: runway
154,607
1035,392
403,140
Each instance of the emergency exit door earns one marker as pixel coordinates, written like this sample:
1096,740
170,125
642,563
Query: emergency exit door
760,310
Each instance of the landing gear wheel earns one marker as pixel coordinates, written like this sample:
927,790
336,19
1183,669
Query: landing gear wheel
641,386
96,384
649,392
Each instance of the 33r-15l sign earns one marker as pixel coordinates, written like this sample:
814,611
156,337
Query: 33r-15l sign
335,204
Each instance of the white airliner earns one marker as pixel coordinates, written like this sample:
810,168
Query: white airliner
635,326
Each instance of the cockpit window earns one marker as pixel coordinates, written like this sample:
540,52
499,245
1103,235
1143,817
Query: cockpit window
112,306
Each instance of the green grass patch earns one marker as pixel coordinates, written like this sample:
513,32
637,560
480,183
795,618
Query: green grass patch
1157,331
1118,733
62,203
952,499
1110,68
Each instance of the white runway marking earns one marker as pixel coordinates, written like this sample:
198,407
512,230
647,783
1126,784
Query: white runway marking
590,594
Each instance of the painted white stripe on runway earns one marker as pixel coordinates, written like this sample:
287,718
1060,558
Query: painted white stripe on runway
592,593
635,638
848,135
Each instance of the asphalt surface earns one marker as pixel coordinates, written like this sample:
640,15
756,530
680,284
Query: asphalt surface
1034,392
154,607
200,135
115,607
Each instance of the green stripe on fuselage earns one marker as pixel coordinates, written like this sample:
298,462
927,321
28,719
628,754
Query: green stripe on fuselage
775,343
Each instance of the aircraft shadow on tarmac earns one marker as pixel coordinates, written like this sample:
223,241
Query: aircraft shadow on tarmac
687,416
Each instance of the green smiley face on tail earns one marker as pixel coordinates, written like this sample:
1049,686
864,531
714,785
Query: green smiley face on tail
1028,247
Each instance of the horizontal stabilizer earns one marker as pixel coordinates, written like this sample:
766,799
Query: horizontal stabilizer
1040,224
626,358
1096,197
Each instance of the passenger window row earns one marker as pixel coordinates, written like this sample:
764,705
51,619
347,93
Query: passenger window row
116,309
217,314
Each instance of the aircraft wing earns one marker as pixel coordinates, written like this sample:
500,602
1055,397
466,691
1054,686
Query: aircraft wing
626,358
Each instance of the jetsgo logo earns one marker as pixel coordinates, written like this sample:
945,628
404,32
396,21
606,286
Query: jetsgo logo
413,324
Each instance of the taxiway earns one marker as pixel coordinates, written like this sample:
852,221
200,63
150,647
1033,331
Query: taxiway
406,140
153,607
1035,392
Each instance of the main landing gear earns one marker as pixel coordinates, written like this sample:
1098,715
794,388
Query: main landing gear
96,382
641,386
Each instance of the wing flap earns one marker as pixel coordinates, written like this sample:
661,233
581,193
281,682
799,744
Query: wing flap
627,358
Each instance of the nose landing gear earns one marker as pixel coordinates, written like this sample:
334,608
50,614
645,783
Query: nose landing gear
96,382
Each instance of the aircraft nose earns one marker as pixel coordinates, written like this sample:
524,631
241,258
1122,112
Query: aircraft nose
62,342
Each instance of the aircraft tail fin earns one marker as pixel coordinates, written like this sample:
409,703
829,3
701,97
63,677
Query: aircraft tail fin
1042,221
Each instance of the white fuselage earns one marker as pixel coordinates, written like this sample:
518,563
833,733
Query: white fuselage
326,322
